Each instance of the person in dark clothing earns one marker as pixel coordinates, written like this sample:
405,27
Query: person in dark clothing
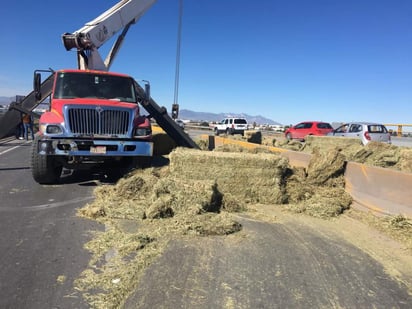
28,124
19,132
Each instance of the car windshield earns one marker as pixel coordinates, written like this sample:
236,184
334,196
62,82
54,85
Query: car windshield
99,86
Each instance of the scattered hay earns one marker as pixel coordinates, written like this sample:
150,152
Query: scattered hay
405,160
372,154
378,154
397,227
291,145
195,196
319,190
325,202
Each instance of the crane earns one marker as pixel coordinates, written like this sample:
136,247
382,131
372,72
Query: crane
88,39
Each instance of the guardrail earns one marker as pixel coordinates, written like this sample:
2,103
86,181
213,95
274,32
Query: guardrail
399,126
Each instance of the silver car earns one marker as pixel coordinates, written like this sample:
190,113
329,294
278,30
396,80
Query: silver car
365,131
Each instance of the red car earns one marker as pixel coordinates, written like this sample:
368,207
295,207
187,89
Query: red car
303,129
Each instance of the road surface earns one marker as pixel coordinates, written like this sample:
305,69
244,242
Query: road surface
41,244
277,261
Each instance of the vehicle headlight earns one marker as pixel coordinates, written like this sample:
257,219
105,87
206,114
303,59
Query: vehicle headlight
54,129
142,132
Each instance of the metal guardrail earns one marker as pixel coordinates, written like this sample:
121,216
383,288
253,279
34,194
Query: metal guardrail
399,131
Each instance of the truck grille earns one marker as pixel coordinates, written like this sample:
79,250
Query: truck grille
98,121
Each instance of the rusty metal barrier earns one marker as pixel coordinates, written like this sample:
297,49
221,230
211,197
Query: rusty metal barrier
380,190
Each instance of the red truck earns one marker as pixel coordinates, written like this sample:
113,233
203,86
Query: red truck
94,119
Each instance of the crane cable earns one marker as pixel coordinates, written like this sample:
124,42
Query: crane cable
175,106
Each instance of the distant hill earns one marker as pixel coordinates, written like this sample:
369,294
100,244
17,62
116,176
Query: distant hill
203,116
186,114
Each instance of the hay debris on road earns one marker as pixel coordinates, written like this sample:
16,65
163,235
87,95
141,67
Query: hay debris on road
194,196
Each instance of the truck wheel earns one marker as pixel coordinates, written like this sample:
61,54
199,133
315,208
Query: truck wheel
227,131
216,132
44,168
288,136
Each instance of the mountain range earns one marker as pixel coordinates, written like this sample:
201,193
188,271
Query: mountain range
6,100
186,114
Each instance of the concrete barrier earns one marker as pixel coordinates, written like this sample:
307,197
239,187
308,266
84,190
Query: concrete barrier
380,190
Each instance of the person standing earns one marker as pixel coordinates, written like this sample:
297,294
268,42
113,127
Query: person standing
20,128
28,124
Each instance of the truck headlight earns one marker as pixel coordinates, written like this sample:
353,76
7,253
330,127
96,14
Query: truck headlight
54,129
142,132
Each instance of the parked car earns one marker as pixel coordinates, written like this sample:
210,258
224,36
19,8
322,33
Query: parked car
365,131
231,125
180,123
303,129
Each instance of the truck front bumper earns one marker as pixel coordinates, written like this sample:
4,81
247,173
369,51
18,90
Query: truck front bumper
80,147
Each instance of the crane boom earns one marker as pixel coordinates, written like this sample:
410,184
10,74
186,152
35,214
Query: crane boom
95,33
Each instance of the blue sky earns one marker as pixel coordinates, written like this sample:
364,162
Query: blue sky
288,60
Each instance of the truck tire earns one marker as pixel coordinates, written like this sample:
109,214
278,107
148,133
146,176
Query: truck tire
216,132
44,168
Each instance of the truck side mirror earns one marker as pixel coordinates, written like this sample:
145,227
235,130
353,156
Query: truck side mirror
37,85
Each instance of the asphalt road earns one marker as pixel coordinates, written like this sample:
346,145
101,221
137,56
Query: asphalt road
280,264
270,264
41,244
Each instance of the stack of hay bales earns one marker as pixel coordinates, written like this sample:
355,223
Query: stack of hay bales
252,178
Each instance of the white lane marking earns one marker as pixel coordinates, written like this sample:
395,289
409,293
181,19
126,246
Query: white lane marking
10,149
48,205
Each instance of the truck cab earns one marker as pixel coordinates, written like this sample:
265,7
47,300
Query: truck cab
94,119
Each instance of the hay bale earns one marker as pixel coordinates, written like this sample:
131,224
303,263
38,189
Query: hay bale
250,177
163,144
330,142
325,165
254,137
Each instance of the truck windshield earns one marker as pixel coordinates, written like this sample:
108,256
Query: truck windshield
92,85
